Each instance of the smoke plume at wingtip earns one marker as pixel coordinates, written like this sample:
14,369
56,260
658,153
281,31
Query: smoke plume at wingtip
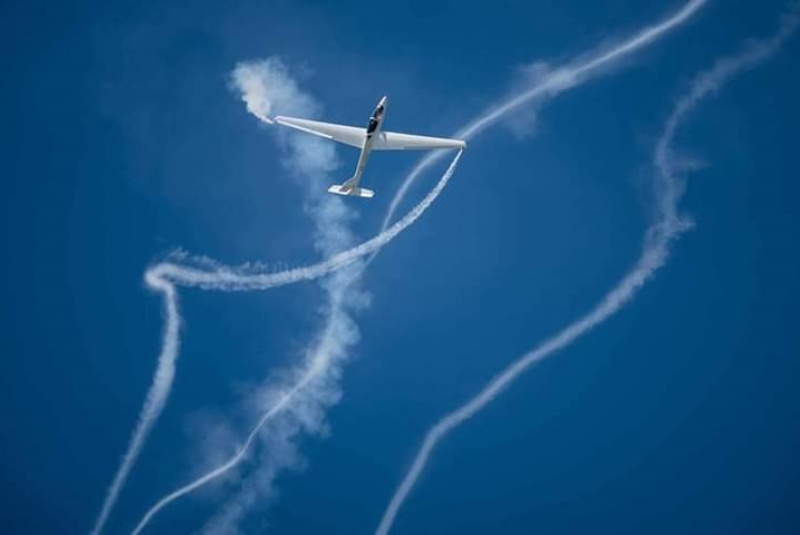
266,86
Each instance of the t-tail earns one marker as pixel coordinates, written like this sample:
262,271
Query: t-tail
350,188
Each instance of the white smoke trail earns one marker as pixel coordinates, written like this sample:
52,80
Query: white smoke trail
551,84
230,279
666,228
298,405
303,409
156,396
233,461
261,100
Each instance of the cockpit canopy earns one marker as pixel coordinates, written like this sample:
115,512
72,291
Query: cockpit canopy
372,125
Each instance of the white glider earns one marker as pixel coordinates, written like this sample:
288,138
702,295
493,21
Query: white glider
367,139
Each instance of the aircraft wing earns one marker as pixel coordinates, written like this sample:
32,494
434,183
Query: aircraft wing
349,135
395,141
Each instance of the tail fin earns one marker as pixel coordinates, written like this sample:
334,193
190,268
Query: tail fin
351,191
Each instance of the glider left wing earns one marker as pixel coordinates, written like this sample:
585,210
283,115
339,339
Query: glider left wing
349,135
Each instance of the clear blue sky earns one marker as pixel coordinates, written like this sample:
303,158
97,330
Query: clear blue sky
121,141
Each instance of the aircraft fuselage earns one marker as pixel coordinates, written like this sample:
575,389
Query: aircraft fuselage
374,126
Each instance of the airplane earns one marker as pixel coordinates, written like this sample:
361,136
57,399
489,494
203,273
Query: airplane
367,139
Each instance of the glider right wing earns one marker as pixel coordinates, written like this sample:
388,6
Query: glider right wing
395,141
349,135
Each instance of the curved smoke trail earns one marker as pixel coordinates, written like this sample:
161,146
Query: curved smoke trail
552,84
230,279
667,227
316,366
156,396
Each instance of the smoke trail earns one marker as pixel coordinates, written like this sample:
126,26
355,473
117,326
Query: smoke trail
551,84
262,99
233,461
301,409
301,401
156,396
230,279
666,228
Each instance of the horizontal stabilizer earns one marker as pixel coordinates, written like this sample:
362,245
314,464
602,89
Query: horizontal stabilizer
354,192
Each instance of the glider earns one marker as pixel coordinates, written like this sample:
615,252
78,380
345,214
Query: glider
367,139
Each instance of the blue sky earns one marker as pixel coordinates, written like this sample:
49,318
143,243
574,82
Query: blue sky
123,141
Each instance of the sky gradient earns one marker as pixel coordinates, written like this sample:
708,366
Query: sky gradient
123,141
